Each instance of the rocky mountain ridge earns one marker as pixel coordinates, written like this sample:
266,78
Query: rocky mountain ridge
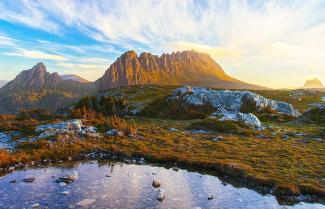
180,68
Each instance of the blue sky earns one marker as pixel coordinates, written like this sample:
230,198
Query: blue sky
272,43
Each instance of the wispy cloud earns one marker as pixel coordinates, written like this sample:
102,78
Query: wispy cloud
35,54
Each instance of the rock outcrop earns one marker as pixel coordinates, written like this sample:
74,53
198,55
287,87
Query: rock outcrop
71,127
229,104
180,68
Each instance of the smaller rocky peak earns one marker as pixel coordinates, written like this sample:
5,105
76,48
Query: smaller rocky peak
313,83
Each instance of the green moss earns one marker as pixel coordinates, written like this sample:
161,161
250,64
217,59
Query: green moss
232,127
162,108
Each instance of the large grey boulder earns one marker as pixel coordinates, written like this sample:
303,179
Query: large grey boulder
228,103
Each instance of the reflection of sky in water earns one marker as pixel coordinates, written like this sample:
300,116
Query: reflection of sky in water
129,187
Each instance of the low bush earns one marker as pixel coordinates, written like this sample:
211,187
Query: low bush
92,107
162,108
211,124
37,114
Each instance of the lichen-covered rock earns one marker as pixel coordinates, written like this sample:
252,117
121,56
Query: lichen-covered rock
71,127
228,104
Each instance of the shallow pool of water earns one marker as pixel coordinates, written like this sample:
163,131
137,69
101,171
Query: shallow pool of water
121,185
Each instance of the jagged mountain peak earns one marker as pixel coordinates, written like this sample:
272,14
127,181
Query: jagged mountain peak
313,83
177,68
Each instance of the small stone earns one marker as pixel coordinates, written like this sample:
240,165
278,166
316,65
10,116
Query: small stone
210,197
285,137
66,192
36,205
108,176
160,194
218,138
156,183
62,184
175,169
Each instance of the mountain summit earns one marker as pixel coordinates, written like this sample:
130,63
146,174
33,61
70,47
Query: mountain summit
33,79
180,68
313,84
37,88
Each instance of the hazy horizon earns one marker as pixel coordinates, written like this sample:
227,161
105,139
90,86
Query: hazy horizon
275,44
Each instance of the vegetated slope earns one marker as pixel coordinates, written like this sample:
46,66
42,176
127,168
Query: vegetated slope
37,88
181,68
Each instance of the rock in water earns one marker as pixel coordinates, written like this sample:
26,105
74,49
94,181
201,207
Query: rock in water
156,183
160,194
74,176
229,104
210,197
86,202
29,180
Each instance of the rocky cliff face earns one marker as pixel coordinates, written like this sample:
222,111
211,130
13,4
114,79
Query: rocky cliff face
181,68
314,83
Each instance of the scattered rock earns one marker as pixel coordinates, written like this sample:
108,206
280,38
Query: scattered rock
63,181
218,138
29,180
156,183
112,132
13,181
66,192
85,202
160,194
173,129
175,169
62,184
210,197
285,137
36,205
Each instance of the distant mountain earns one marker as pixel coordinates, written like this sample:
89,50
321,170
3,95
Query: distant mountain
37,88
73,77
2,83
313,84
181,68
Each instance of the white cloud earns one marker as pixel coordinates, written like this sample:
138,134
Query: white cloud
34,54
6,41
